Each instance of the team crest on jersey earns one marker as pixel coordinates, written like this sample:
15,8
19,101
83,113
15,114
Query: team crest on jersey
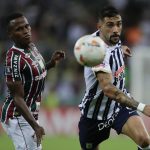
27,55
34,63
8,70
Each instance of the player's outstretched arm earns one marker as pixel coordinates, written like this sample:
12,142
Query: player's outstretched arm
55,59
17,91
105,80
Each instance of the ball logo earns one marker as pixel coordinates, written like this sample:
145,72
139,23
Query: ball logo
81,59
78,48
95,43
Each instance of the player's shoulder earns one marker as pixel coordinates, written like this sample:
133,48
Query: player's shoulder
96,33
13,51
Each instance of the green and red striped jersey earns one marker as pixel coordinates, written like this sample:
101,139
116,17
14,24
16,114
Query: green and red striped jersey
27,66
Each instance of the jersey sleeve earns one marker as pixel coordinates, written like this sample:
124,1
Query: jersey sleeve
13,67
105,66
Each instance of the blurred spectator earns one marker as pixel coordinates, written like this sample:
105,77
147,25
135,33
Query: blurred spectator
57,24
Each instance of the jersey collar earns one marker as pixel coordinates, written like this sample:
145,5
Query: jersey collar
20,49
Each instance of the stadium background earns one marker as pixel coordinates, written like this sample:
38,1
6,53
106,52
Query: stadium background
57,24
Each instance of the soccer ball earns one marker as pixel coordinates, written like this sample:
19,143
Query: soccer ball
90,50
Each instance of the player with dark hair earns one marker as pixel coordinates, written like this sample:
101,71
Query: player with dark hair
106,103
25,71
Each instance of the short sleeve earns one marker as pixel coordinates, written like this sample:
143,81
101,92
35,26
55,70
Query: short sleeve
105,66
13,67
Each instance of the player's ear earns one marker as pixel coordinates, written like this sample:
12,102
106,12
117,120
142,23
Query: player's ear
98,25
9,31
9,34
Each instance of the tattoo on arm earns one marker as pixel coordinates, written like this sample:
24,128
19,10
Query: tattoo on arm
125,100
113,92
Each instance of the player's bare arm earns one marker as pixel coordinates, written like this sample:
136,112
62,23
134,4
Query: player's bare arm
113,92
55,59
126,51
17,92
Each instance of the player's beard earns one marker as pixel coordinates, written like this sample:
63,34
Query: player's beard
114,39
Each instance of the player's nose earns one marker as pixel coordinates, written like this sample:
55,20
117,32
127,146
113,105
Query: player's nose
115,29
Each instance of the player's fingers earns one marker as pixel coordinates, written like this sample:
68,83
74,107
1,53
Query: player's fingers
60,52
43,132
60,55
38,141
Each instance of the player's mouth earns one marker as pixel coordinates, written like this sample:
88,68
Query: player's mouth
28,36
115,37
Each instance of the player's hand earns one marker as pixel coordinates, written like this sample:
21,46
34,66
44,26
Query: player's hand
57,57
126,51
39,132
147,110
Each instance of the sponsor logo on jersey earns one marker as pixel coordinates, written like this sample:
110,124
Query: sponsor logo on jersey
15,66
108,123
119,74
119,71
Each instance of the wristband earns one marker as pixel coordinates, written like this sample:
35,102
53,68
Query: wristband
141,107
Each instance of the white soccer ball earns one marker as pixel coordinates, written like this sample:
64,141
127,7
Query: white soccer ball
90,50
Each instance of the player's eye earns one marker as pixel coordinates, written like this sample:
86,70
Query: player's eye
27,26
119,24
110,25
18,29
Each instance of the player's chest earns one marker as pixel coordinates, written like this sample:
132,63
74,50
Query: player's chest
117,64
33,63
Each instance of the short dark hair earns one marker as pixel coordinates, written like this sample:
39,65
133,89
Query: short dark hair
12,17
108,11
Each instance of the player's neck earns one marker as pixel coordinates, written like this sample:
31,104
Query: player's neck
22,46
106,41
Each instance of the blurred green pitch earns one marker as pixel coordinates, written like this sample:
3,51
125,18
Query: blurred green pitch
71,143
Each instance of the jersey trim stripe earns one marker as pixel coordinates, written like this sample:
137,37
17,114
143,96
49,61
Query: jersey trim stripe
98,105
105,114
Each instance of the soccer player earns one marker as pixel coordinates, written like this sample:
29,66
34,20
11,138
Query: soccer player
106,103
25,72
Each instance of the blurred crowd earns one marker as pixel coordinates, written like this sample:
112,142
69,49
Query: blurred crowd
57,24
